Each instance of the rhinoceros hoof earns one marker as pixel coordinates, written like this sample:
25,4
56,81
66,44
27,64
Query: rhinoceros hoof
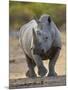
52,74
33,75
42,71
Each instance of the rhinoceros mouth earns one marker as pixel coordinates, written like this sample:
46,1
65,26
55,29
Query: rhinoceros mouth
38,52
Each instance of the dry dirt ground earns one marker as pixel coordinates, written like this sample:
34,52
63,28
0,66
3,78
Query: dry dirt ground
18,65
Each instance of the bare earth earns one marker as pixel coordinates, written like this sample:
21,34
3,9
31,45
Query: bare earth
18,66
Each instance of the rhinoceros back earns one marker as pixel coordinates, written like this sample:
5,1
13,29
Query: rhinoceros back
26,36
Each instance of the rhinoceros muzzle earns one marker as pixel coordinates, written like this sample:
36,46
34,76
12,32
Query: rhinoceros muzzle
38,51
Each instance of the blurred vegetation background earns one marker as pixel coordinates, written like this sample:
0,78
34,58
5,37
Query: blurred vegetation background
22,12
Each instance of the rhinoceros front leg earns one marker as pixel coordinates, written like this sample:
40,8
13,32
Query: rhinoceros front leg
52,63
31,65
41,69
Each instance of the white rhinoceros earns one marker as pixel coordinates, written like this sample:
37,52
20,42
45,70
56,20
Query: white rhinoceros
40,41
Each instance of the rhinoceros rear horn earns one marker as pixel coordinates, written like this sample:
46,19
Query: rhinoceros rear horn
49,19
34,37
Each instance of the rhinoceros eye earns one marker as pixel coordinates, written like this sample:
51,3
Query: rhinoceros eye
46,38
38,33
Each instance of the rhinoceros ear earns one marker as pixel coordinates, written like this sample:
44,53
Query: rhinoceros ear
34,37
49,19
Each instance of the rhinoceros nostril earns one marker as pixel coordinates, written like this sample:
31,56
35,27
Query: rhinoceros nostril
42,50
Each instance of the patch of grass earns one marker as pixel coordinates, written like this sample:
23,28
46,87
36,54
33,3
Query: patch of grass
22,12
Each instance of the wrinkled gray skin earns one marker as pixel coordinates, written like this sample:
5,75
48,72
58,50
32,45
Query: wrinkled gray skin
40,40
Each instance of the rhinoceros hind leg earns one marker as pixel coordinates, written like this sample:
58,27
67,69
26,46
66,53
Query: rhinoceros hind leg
31,65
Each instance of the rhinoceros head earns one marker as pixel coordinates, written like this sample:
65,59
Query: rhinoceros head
42,39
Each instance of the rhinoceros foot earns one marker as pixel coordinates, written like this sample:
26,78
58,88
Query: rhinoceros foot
42,71
52,74
31,75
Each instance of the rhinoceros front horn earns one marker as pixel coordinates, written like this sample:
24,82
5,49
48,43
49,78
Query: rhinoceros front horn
34,37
